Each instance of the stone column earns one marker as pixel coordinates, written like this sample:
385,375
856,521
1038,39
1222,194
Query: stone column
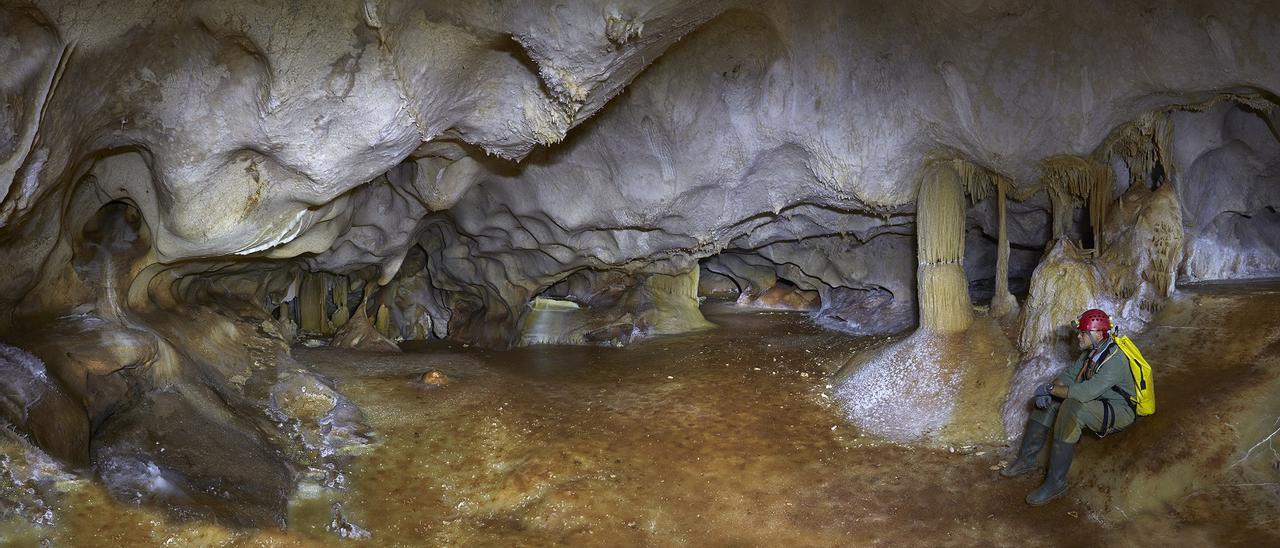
943,289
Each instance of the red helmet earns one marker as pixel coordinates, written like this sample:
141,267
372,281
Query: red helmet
1093,320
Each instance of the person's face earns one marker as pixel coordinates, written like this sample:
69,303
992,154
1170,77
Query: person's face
1085,339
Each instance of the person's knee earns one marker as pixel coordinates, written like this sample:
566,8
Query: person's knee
1044,416
1070,407
1068,423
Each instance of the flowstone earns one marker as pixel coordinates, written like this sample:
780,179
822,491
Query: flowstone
931,389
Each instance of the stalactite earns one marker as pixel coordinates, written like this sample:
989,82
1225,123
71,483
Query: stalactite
1135,146
1144,143
1069,179
1164,219
1162,132
382,318
340,314
311,296
1099,201
940,211
1002,302
1060,206
680,285
977,181
383,321
940,214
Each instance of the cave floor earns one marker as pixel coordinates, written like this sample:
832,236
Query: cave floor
723,437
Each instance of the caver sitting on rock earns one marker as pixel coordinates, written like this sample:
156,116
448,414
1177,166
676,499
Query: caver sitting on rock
1093,393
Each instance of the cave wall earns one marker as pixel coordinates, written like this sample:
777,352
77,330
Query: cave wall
1230,184
260,131
727,143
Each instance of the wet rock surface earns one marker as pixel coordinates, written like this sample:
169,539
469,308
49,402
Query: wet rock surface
166,452
32,483
34,403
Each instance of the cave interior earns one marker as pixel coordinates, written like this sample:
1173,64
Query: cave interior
629,272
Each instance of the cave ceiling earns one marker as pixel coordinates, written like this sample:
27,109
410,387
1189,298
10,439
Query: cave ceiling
519,142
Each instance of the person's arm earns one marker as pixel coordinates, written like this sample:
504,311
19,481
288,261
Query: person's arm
1108,375
1067,377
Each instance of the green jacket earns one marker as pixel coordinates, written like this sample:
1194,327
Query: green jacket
1097,383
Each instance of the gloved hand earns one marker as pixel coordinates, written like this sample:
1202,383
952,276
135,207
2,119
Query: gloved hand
1044,396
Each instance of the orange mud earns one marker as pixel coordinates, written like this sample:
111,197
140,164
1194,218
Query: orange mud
717,438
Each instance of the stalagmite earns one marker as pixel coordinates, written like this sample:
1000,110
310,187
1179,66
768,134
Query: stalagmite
288,329
383,320
1064,284
943,289
361,334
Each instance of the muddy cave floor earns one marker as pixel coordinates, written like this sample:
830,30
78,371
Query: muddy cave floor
723,437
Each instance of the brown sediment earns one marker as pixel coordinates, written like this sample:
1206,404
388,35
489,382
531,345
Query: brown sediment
1216,392
674,440
723,437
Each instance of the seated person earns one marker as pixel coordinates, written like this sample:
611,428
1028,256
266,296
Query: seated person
1093,393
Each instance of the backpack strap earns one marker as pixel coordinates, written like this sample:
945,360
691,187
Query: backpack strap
1128,398
1109,413
1108,419
1106,354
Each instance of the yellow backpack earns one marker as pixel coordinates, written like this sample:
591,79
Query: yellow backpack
1144,398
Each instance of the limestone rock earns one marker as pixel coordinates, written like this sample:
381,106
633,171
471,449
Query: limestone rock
435,377
360,334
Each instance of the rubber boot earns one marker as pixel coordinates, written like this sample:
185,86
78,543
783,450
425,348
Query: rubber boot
1055,482
1029,453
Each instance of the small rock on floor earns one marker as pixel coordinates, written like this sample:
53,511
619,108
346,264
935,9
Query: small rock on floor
435,377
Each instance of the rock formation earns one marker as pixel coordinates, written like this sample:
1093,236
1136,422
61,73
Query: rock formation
192,185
